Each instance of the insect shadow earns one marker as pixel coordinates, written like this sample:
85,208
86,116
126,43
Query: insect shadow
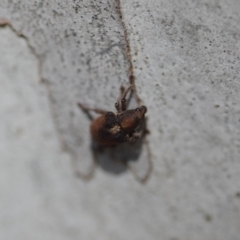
119,139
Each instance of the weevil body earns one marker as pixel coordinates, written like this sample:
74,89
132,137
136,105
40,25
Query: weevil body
111,129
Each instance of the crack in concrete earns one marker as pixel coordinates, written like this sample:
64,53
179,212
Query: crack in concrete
6,23
128,52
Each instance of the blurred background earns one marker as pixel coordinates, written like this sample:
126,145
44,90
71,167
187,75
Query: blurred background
184,57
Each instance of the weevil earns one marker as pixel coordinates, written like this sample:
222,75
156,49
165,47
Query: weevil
115,130
111,129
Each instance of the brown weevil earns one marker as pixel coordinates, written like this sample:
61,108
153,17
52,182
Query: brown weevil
111,129
115,130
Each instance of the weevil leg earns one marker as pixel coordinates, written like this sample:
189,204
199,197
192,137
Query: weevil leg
134,137
122,90
118,103
123,98
96,110
125,91
118,106
138,137
121,104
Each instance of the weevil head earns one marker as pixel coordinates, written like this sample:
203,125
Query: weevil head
140,112
130,119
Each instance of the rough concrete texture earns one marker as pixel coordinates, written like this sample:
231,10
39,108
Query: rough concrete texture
185,59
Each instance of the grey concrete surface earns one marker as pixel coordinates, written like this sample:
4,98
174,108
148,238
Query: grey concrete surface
185,59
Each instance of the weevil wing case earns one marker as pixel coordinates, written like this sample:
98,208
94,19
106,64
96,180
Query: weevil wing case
106,131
